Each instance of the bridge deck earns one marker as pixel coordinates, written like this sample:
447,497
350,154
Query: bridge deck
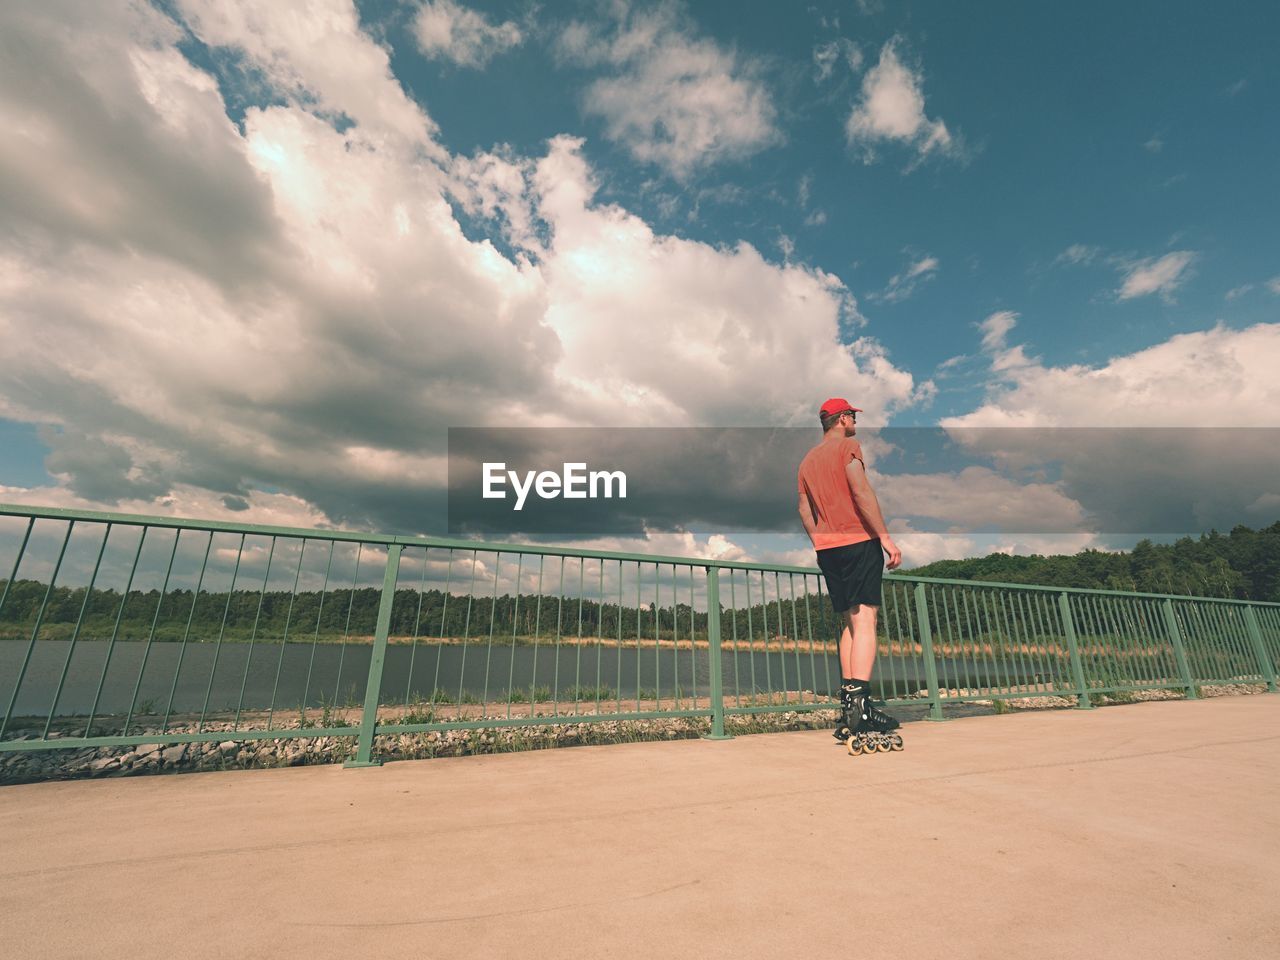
1146,830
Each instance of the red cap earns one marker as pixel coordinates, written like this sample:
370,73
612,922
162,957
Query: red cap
837,405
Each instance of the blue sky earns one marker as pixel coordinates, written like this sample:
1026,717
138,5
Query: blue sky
258,258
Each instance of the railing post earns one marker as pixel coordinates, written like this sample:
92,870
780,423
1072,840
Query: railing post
930,665
1179,652
713,653
364,751
1268,669
1077,667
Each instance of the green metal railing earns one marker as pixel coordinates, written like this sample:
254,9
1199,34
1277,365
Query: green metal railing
120,630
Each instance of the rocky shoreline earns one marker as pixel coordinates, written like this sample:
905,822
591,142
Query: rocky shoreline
241,754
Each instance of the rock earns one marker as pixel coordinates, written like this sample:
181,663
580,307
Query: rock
226,746
146,748
173,755
104,764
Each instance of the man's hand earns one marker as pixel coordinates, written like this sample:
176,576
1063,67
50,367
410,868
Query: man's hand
891,548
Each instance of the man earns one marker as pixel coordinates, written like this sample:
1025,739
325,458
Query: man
840,512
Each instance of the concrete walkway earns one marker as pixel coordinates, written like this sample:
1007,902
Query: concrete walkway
1145,830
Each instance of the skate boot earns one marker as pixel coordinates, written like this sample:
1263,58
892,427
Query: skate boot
870,730
846,723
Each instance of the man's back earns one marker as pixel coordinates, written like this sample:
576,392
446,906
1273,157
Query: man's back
822,479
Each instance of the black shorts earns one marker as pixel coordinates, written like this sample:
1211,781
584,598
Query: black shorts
853,573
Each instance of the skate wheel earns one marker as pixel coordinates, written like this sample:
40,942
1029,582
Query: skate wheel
855,748
897,743
883,747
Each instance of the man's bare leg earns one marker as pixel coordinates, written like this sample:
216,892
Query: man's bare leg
858,641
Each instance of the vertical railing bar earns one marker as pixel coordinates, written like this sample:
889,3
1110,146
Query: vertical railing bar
436,692
1179,651
1262,657
715,662
733,607
657,638
1030,605
346,630
284,641
1083,700
639,629
600,638
808,619
577,647
828,616
1124,664
537,635
417,627
751,639
315,640
13,574
619,691
35,630
488,656
75,634
999,660
1240,637
253,633
693,643
997,597
146,651
186,633
115,632
217,647
928,652
1093,654
377,660
795,635
1232,626
764,638
555,687
973,635
897,619
1010,619
1086,607
782,639
515,621
675,632
466,630
1168,656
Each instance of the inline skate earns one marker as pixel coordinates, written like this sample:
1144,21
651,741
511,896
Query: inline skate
863,727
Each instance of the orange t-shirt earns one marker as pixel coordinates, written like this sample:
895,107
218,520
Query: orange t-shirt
822,478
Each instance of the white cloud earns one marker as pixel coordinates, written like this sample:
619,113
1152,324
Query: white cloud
1193,470
1154,145
892,108
445,29
315,52
1078,254
672,99
198,311
827,55
1160,275
1274,285
902,285
1212,378
1239,291
982,497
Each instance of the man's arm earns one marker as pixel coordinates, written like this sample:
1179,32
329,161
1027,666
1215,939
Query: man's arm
865,499
806,514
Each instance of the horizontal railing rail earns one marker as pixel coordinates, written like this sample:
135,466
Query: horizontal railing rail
122,630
